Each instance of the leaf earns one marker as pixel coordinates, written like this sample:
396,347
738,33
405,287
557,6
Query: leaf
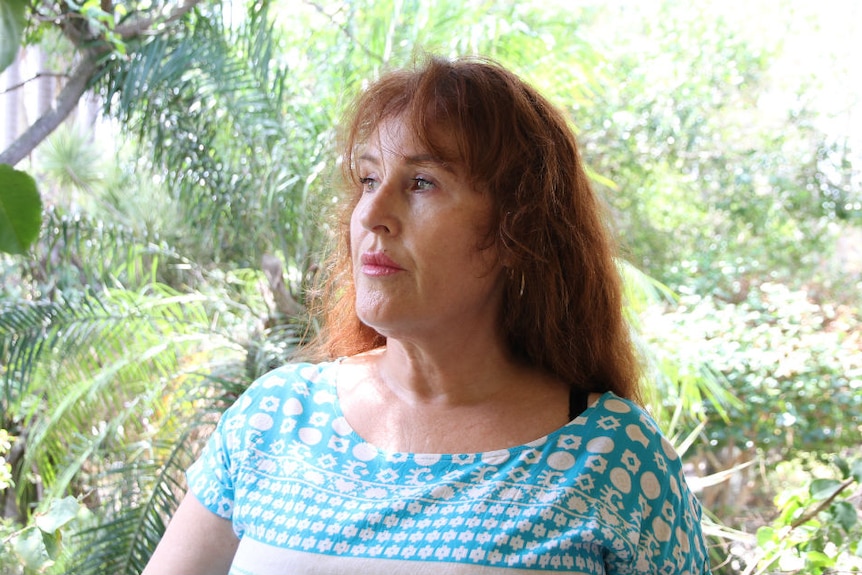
822,488
842,466
30,547
766,536
856,470
818,560
59,513
20,209
845,514
12,21
790,510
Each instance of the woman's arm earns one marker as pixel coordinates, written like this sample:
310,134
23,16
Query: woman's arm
196,542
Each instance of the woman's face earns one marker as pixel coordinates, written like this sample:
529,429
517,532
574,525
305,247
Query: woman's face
416,236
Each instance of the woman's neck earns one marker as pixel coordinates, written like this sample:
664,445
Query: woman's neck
401,399
453,373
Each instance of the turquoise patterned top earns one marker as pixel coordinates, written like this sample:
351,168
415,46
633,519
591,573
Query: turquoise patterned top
306,494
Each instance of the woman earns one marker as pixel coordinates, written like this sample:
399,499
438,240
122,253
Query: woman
476,411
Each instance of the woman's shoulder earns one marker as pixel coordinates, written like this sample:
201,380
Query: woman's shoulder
279,401
626,425
299,381
298,375
608,404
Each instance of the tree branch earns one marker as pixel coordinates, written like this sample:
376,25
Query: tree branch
137,26
35,77
79,81
823,504
69,96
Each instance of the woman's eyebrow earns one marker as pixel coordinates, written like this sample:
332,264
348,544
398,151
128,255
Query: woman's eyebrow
416,159
369,158
429,159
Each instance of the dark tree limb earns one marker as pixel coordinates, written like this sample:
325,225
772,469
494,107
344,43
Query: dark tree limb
69,96
35,77
79,81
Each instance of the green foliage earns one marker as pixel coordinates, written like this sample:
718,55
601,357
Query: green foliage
819,529
221,120
141,313
6,480
115,391
77,253
85,23
12,21
100,23
714,184
70,160
147,487
354,40
39,547
20,210
795,363
677,385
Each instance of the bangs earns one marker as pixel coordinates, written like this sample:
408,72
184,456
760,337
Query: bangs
430,104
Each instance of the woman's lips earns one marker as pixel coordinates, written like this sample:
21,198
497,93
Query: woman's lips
378,264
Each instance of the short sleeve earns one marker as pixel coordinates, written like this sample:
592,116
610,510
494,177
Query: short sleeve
671,535
253,420
212,477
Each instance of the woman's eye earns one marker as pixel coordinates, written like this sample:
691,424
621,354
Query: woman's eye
422,185
368,184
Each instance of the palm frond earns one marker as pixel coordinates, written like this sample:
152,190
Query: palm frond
29,331
149,493
82,374
140,493
237,156
679,385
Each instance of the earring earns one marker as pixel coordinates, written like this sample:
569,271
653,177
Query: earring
511,273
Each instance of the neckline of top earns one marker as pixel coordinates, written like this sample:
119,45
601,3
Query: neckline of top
368,450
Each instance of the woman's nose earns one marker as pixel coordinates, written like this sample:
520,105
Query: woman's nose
378,209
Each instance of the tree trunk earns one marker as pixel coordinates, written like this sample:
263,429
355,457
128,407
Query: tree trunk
12,102
44,85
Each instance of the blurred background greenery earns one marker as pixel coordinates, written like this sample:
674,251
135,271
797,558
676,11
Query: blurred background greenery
185,208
